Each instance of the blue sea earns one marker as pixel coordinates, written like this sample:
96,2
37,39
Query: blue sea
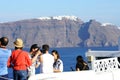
68,56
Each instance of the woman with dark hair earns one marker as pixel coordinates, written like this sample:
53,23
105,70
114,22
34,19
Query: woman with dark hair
34,56
81,64
58,64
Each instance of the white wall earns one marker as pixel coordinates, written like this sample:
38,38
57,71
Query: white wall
81,75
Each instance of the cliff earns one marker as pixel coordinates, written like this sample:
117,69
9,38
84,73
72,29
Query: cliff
61,32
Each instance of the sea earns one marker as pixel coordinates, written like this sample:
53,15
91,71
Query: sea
68,56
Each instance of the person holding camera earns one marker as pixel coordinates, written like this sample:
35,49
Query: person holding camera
34,55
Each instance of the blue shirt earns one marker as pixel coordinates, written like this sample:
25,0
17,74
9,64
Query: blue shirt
4,55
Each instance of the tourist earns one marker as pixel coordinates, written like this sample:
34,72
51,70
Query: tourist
81,64
19,61
47,60
4,55
34,55
58,64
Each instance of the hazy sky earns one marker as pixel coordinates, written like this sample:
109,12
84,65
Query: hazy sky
100,10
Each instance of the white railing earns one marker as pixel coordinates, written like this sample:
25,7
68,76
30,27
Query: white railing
105,65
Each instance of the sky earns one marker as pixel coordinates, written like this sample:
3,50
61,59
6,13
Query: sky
104,11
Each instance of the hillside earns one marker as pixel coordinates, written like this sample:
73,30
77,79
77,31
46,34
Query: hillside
61,32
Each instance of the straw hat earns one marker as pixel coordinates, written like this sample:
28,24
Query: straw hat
18,43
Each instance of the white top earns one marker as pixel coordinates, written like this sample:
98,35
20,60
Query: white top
31,69
47,65
58,65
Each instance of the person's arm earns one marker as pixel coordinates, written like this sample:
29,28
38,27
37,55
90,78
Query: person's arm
56,70
28,60
41,59
36,56
77,69
9,63
85,66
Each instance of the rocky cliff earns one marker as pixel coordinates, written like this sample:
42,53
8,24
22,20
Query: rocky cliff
61,32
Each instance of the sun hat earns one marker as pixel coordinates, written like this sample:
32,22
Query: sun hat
18,43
